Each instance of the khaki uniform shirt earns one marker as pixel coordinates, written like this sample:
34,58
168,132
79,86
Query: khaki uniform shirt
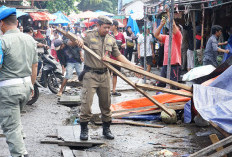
19,51
101,46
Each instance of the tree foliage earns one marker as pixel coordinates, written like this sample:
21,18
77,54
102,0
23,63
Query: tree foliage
93,5
66,6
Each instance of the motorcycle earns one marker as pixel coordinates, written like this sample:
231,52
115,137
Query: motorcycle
51,76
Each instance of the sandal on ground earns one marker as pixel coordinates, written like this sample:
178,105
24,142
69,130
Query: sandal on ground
116,94
59,94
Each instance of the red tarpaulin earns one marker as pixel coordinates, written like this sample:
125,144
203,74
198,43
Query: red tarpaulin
41,16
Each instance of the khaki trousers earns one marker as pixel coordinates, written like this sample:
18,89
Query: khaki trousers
100,84
12,100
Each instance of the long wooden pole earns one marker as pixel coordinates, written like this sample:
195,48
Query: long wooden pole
73,38
194,29
170,41
202,26
145,41
148,74
160,89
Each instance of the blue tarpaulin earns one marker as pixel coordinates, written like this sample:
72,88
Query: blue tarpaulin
61,19
228,47
214,102
133,24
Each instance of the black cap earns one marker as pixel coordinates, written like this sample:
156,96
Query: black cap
115,22
57,44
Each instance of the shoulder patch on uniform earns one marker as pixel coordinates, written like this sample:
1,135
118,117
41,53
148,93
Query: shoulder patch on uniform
110,41
93,40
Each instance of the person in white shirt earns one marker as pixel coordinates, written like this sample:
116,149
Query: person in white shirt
149,48
48,35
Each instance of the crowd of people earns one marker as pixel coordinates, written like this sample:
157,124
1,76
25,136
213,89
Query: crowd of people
19,64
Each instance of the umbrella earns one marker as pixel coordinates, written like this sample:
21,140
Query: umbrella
99,12
20,13
61,19
73,17
87,15
87,23
133,24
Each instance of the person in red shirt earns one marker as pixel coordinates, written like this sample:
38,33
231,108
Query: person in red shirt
175,52
120,40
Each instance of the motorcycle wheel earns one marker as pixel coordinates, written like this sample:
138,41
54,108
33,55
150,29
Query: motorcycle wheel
35,97
54,82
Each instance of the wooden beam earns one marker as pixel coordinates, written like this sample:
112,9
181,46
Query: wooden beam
119,121
212,147
147,107
223,132
166,90
67,152
148,74
222,152
214,139
178,107
73,38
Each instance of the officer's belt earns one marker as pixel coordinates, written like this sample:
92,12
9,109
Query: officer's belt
96,70
15,81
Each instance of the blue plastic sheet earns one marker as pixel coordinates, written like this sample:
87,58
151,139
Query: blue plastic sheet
133,24
144,117
228,47
214,102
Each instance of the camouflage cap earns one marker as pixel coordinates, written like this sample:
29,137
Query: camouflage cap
105,19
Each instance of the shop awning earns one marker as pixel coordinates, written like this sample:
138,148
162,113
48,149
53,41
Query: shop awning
41,16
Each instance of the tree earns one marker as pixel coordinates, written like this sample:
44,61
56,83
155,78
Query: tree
93,5
62,5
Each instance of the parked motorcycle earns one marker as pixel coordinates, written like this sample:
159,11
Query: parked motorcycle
51,76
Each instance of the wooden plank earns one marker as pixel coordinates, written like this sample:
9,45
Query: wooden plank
173,147
148,74
67,99
212,147
74,38
71,134
50,141
223,132
136,123
147,107
75,144
65,133
93,154
79,153
178,107
166,90
222,152
67,152
214,139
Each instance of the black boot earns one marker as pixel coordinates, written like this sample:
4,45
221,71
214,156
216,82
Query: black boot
84,131
106,131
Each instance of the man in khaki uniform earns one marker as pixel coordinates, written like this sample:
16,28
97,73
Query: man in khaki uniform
97,77
17,73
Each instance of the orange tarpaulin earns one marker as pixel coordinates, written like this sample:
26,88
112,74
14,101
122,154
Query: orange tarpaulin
42,16
143,102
